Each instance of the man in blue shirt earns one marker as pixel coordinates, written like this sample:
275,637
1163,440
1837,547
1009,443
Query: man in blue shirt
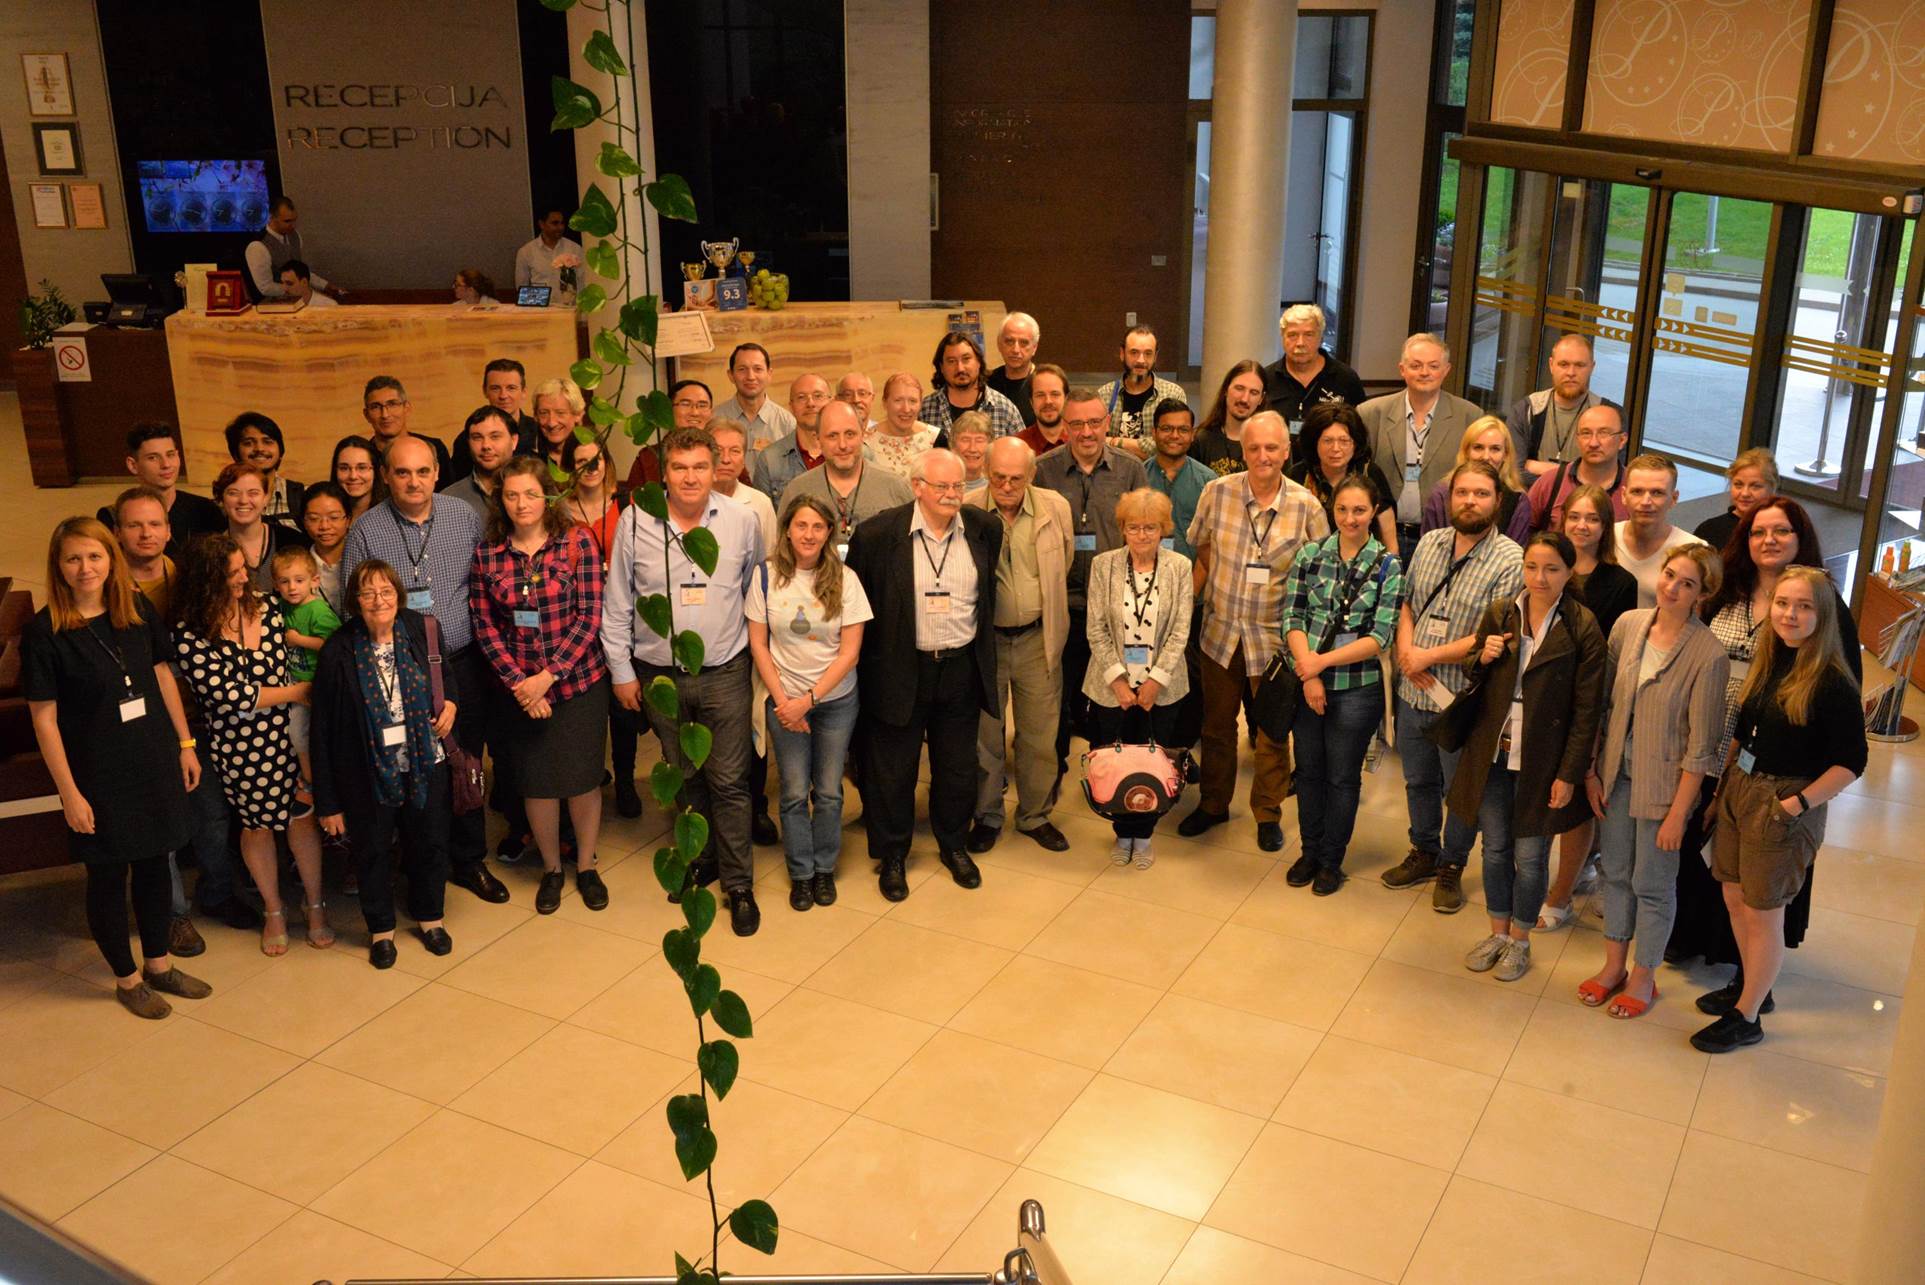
1172,471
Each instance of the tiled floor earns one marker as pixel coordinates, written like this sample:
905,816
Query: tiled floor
1205,1075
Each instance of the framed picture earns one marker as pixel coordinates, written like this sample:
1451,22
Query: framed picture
49,206
89,207
58,147
50,90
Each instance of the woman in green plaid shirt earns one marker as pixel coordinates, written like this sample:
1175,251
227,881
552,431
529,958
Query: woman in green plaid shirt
1339,617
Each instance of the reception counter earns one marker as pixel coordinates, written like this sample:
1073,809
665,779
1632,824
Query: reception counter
305,370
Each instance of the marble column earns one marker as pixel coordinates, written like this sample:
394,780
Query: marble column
1891,1234
1256,44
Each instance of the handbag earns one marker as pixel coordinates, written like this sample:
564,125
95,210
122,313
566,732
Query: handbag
1124,782
468,787
1280,692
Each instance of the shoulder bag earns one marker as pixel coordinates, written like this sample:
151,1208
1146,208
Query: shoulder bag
1280,692
467,785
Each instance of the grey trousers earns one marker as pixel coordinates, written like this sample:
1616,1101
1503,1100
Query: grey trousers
1024,679
718,698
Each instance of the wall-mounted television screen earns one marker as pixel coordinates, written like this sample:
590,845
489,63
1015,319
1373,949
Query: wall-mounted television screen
204,196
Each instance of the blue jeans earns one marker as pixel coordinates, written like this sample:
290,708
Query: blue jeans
1330,750
1427,773
1640,880
209,843
1516,870
812,761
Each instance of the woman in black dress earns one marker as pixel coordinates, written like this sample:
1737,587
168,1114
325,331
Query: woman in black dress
104,707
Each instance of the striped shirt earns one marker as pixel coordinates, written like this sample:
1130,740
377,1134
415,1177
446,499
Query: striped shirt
1250,547
1672,722
434,557
1319,579
1492,570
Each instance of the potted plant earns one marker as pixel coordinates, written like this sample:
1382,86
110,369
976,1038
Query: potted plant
49,454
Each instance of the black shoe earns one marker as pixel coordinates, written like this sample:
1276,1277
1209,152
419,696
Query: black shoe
1727,1033
1447,894
594,893
435,939
548,896
381,953
1417,867
235,913
1301,871
1270,836
513,848
1198,821
1725,999
627,802
893,882
1328,880
983,836
800,896
475,878
962,869
744,916
1047,836
762,830
702,872
823,889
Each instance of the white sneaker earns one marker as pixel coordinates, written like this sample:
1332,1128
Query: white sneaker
1514,962
1484,954
1122,853
1144,857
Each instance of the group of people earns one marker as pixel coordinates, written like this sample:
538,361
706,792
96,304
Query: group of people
985,570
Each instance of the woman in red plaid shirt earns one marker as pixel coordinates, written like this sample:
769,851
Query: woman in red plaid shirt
536,599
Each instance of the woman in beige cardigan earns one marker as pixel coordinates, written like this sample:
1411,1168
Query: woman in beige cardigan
1139,621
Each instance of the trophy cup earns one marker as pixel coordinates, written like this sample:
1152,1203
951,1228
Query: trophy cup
721,253
747,259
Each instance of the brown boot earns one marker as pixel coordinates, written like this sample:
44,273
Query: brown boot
1447,894
1418,867
141,1001
175,982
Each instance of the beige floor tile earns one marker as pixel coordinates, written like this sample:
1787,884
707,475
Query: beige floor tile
437,1043
1007,911
1582,1053
550,966
308,1000
573,1089
1610,1162
974,1094
1731,1196
448,1186
20,978
51,1162
1387,1101
1095,1237
788,946
322,1124
1089,846
600,1221
1361,917
1282,978
1189,876
1144,1145
830,1050
910,971
1327,1200
1818,1112
1893,775
325,1250
637,907
1120,937
1427,1014
1680,1262
1564,1244
62,1029
762,1135
649,1007
46,921
1222,1056
11,1102
1876,887
798,1254
1840,1026
1885,826
1871,954
472,923
1426,939
165,1088
151,1237
896,1197
1217,1258
1066,1013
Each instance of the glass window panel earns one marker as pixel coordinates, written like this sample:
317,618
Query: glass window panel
1597,250
1827,373
1315,33
1332,56
1510,252
1900,538
1199,238
1202,57
1452,80
1910,447
1442,236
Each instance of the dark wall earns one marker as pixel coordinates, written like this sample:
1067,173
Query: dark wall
1061,140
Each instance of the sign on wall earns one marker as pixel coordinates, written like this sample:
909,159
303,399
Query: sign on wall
401,134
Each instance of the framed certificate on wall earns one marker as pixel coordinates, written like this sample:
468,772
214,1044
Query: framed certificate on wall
90,210
50,89
49,205
58,147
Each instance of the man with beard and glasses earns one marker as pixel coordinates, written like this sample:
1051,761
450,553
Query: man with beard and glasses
1454,573
959,387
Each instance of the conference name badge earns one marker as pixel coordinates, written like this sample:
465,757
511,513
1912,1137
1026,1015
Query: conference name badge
420,600
1256,573
694,595
936,602
132,708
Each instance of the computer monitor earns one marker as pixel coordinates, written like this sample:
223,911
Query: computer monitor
532,297
135,298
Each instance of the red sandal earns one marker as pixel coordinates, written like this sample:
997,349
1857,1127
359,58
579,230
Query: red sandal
1625,1007
1594,994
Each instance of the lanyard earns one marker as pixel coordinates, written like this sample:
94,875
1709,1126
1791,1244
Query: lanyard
388,675
948,544
1083,479
846,511
1264,539
1451,575
415,559
114,653
1142,596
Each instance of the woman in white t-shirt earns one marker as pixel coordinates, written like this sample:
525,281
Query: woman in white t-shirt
806,612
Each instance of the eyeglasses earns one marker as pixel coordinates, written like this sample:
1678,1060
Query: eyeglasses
1597,434
376,596
1142,528
385,408
1085,423
945,488
689,403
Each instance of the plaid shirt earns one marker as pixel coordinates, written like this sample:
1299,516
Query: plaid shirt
562,582
1318,580
1229,524
1004,419
435,556
1494,570
1137,425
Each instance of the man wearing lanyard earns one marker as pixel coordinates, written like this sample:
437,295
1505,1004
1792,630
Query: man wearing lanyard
1092,476
430,542
1032,622
1246,532
1545,423
1600,462
647,559
1455,572
1306,376
928,668
1414,434
844,481
749,367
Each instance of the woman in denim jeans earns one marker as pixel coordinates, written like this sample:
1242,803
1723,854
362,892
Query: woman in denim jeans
806,612
1541,662
1664,720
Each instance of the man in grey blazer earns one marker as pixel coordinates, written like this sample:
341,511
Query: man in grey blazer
1414,434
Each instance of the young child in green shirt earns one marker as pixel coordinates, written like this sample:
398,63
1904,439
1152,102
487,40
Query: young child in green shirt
310,622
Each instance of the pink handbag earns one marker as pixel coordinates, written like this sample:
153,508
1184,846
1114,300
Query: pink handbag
1125,781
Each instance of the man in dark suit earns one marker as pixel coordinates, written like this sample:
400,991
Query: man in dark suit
928,664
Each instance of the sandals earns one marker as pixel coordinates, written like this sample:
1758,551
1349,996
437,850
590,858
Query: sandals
1552,918
1626,1007
274,945
325,937
1594,994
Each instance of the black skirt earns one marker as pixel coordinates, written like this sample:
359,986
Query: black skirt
556,757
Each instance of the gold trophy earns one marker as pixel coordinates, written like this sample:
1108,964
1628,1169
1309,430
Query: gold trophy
694,271
747,259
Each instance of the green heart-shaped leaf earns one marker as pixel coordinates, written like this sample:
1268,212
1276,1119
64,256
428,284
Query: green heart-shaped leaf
687,1112
691,834
595,216
695,1153
600,54
719,1063
697,740
671,871
640,318
600,411
656,409
671,198
665,782
683,951
732,1015
609,348
656,613
702,988
698,908
663,696
688,649
653,499
615,162
591,299
604,259
700,546
753,1223
575,105
586,373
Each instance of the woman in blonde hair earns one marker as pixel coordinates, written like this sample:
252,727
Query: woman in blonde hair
1487,439
1800,742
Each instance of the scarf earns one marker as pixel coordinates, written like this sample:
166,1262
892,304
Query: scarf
418,718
